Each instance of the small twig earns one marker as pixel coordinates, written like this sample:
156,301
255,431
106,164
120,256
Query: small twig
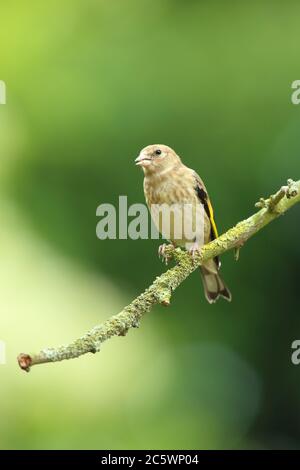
272,202
162,288
236,251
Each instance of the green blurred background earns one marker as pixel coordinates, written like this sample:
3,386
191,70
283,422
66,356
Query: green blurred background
89,83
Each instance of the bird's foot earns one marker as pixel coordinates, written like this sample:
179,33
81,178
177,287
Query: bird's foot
162,253
194,249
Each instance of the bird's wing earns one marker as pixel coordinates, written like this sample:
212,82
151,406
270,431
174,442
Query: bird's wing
204,198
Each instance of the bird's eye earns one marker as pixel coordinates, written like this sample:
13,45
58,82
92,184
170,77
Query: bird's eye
157,152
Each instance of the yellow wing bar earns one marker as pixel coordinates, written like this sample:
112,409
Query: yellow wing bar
212,220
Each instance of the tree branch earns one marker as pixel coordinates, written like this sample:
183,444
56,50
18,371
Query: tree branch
162,288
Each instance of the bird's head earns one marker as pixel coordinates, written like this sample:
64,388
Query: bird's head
157,158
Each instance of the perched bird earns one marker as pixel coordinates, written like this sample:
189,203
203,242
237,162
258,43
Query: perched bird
169,183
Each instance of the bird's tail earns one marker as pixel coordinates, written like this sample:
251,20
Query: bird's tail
214,286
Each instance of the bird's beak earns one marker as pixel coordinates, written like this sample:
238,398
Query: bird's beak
142,160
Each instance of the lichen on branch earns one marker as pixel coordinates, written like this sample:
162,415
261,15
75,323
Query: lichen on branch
161,289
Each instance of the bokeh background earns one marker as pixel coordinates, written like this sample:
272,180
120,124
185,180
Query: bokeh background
89,83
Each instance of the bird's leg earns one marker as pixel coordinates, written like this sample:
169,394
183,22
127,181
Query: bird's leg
194,248
162,252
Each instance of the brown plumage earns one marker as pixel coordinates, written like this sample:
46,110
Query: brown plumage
169,182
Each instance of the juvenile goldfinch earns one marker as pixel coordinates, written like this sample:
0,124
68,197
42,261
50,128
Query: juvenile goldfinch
169,183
